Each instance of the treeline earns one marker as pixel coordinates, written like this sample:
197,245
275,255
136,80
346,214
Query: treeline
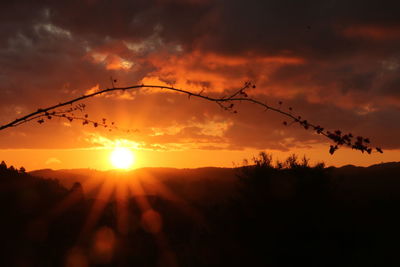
7,171
286,213
30,237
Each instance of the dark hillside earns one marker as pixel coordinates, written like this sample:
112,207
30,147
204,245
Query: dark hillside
257,215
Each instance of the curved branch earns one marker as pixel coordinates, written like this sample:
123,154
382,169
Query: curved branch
239,96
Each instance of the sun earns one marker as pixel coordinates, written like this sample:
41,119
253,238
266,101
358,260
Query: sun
122,158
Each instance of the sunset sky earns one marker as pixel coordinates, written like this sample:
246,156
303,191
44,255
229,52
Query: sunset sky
337,63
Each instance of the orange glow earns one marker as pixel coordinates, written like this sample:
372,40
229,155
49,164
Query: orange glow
103,245
151,221
76,258
373,32
100,158
122,158
211,68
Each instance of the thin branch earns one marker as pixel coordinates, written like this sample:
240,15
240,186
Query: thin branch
339,139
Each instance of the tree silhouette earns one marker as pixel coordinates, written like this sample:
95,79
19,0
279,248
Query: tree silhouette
22,170
227,103
3,166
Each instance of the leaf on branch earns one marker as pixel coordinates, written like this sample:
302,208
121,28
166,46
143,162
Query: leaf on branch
305,124
226,103
332,149
319,129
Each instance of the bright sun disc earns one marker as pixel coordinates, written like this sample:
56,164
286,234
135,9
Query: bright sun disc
122,158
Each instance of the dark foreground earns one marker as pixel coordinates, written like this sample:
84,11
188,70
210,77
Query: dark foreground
263,215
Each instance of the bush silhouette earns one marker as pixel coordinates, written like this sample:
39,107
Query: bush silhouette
285,213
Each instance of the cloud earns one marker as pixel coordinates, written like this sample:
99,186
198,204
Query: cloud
51,161
373,32
335,62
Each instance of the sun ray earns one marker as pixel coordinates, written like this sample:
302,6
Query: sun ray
137,191
100,203
180,203
71,199
149,220
121,198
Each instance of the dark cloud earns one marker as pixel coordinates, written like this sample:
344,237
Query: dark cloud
337,62
313,28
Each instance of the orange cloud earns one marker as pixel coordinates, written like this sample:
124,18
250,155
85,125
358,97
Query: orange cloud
215,73
375,32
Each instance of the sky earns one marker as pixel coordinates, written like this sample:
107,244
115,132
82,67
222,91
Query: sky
336,63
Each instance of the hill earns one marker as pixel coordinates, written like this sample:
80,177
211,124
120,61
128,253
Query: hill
258,215
211,183
216,184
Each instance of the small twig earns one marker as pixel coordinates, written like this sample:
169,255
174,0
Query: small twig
339,139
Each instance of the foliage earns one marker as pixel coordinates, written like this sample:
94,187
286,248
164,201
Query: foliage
287,180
